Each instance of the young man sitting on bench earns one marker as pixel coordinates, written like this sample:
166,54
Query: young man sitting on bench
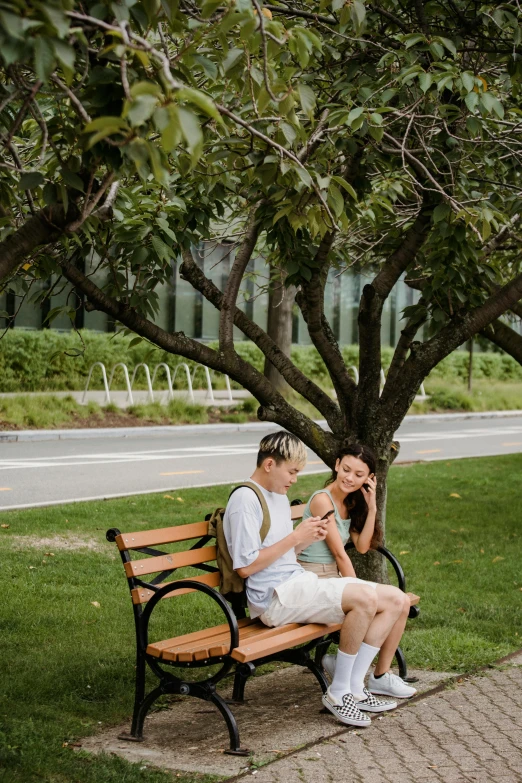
280,591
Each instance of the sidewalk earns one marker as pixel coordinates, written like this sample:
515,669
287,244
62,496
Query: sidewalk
458,729
471,731
12,436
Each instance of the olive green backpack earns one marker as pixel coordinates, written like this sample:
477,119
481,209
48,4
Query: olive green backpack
230,581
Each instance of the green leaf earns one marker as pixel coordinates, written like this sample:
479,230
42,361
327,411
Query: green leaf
65,54
448,43
140,110
411,40
440,212
58,19
346,185
425,81
335,200
307,98
282,212
100,123
145,88
163,251
376,132
192,133
354,114
232,58
358,14
472,100
437,50
30,180
289,132
202,101
304,176
44,61
468,80
73,180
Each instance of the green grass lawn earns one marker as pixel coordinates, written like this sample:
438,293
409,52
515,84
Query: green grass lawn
69,663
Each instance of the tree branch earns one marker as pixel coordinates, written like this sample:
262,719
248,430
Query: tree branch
44,227
228,304
504,337
292,375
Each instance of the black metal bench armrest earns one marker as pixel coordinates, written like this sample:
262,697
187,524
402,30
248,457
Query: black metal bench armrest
163,591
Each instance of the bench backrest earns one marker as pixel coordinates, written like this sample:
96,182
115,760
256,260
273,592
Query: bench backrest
146,574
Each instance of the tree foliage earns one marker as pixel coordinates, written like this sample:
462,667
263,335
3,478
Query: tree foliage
383,136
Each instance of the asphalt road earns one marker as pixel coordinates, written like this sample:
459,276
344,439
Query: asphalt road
59,471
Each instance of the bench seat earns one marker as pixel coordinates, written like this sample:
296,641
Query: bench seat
255,641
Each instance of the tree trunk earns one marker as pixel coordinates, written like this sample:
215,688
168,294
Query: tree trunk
279,326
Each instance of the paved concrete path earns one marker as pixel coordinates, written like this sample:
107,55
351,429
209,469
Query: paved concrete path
471,731
458,729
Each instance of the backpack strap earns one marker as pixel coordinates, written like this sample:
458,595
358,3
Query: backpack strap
266,523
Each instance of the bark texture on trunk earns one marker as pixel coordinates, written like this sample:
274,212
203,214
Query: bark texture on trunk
279,327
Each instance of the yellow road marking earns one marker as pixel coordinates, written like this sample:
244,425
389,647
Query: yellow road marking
428,451
181,472
5,489
514,443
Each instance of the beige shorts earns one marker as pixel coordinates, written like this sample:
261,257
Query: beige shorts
323,570
308,599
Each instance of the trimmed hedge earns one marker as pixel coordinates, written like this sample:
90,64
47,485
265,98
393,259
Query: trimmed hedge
48,360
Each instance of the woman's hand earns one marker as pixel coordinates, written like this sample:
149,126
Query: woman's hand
370,493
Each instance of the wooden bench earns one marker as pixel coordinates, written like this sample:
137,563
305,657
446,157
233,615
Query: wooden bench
238,645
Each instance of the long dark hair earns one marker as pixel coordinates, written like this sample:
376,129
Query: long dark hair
355,502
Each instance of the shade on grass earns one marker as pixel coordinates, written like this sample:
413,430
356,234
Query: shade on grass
70,663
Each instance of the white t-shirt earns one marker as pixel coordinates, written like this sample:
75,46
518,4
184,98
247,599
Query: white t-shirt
241,524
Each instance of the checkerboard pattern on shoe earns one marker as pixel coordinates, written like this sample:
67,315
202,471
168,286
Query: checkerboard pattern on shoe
347,711
371,704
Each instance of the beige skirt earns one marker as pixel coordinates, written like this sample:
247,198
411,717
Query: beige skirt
323,570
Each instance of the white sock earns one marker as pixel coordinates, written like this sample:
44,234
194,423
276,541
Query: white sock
342,676
362,663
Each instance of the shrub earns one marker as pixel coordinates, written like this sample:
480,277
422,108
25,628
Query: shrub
48,360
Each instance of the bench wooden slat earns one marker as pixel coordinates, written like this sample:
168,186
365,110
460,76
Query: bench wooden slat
166,562
164,535
140,595
284,640
297,511
218,644
156,648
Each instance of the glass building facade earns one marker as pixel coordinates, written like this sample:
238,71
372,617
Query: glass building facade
182,308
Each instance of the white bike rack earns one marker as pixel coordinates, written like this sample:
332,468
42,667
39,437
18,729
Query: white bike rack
229,390
167,373
189,381
123,366
210,392
106,385
147,375
383,381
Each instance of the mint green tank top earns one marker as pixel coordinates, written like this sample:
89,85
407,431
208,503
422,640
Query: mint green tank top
320,552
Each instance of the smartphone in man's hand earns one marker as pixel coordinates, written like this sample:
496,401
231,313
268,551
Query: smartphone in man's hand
328,513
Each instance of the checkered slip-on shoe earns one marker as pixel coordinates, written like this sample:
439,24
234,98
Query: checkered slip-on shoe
346,711
371,704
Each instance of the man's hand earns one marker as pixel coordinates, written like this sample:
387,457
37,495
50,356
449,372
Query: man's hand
309,531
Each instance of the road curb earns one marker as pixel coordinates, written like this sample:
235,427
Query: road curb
17,436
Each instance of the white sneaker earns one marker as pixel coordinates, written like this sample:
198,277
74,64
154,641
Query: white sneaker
328,664
346,711
390,685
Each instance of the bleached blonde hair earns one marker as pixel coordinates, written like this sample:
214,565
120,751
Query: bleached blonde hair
282,446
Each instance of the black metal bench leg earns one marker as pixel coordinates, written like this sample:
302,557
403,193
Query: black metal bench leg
140,713
403,666
235,747
139,693
243,672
